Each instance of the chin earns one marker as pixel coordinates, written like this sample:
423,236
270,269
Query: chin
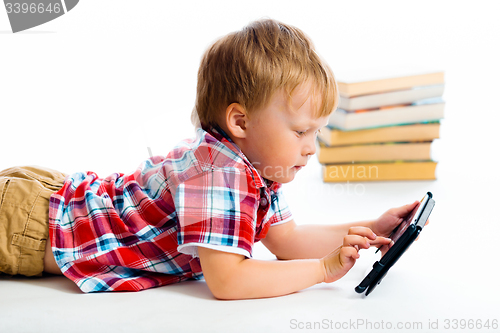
283,180
280,174
288,180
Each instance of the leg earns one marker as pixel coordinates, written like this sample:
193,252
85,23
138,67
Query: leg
24,206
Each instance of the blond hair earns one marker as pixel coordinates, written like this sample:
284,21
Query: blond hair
249,66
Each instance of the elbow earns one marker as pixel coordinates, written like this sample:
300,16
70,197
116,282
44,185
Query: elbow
227,286
224,296
224,291
222,272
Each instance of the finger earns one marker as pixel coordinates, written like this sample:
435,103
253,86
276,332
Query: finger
386,248
380,241
362,231
426,223
348,252
355,240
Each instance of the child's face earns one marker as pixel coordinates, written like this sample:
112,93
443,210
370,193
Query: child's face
281,136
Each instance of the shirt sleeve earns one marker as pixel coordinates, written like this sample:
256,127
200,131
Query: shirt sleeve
279,212
216,209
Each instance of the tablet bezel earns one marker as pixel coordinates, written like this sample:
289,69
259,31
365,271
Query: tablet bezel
381,267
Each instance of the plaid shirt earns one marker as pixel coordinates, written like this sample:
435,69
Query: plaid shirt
142,230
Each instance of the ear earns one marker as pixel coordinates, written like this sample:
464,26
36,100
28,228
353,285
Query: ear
236,120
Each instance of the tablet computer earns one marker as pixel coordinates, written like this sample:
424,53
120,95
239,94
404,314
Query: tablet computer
403,236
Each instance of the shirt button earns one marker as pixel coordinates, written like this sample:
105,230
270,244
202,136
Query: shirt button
263,201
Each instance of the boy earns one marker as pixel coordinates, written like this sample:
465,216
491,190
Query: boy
262,96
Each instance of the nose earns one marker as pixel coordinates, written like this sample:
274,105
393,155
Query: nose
310,147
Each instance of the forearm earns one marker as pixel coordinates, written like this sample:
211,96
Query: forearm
316,241
250,278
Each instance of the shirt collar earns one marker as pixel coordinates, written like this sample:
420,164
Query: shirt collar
222,136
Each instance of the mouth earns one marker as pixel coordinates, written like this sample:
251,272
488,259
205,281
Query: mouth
298,167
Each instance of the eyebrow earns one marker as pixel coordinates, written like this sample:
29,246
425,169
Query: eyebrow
309,126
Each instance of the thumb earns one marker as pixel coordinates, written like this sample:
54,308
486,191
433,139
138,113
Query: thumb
406,209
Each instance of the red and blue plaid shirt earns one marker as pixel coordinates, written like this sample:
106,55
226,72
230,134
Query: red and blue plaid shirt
142,230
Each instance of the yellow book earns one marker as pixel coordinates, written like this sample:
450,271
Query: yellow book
407,151
400,133
361,172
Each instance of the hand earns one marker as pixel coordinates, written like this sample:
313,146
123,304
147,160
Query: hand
385,224
341,260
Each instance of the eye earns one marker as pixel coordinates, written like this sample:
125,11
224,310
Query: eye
300,133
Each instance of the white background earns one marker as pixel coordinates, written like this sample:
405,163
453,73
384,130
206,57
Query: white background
93,89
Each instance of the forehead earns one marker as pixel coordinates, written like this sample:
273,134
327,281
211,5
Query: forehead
302,107
297,99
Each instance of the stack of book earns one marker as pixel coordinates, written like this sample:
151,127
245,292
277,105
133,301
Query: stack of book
384,126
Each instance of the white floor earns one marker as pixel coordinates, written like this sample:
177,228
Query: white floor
114,68
450,273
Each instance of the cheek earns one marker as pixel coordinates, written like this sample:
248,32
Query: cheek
287,150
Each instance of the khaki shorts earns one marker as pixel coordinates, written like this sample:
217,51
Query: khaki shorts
24,217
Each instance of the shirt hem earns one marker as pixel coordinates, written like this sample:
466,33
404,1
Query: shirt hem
283,221
192,249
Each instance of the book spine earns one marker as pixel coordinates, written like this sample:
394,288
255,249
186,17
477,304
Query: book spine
360,172
397,133
346,120
371,101
411,151
390,84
